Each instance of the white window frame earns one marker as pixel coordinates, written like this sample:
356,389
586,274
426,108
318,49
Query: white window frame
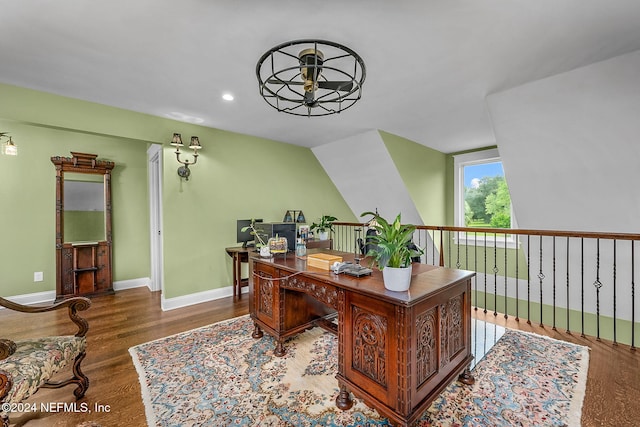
459,162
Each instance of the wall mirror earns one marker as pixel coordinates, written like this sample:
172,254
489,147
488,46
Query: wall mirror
84,219
83,225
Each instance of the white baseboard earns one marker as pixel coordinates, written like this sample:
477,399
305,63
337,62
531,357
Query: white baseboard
166,303
191,299
50,296
34,298
132,283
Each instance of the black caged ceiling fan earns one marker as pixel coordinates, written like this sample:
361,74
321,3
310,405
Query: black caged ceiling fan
311,77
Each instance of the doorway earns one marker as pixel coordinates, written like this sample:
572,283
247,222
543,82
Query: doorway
154,156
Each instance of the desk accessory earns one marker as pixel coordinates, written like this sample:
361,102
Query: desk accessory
322,260
278,245
351,269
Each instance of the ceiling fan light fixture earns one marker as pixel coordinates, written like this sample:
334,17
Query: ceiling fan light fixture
310,68
310,77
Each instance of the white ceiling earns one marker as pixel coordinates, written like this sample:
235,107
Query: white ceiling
430,63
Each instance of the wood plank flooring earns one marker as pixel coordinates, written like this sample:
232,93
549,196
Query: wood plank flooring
133,316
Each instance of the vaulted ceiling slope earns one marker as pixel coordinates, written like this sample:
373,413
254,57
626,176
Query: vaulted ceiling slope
430,63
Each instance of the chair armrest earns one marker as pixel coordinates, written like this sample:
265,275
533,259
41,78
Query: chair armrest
6,383
74,305
7,348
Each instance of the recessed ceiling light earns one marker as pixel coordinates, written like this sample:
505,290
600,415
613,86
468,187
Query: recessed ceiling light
227,97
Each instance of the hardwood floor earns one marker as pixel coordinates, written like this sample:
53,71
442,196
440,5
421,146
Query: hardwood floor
132,317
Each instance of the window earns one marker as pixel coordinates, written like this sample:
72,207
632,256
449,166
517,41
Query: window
482,197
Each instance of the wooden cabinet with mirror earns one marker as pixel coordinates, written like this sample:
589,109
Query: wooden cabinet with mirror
83,225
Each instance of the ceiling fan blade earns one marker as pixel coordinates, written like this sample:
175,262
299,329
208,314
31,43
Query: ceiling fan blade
288,82
343,86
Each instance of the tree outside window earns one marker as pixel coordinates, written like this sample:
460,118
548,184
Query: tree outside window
486,197
482,194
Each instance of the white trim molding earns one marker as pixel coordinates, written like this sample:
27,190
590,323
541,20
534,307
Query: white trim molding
121,285
191,299
34,298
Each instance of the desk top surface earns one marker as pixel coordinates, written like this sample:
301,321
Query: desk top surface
426,280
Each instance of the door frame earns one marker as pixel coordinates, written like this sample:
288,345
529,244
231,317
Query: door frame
154,158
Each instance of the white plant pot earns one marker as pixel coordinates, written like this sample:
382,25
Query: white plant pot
323,235
397,279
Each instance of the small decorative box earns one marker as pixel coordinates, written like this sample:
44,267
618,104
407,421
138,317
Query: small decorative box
322,260
278,245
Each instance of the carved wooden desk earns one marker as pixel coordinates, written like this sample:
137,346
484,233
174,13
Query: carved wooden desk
396,350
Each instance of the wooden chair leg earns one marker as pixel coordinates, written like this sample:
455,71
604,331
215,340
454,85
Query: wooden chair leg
78,378
83,380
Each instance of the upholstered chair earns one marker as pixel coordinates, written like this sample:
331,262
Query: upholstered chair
28,364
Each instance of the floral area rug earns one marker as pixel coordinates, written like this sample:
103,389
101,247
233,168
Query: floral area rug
219,376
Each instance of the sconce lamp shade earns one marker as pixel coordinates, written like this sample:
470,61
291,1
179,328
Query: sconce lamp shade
177,140
195,144
9,148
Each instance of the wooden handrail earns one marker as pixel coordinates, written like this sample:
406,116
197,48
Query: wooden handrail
518,231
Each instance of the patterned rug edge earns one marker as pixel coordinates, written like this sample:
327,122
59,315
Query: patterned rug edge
575,408
142,379
144,390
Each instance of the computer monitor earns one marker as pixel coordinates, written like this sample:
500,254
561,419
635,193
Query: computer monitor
245,237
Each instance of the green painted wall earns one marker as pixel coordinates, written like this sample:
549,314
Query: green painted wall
424,173
27,203
237,176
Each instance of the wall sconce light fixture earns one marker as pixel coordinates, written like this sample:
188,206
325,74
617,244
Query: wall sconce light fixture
8,148
183,171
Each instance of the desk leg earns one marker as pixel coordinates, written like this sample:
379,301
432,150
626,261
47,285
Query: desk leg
343,400
237,270
466,377
279,351
257,332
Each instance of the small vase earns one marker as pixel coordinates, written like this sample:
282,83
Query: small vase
397,279
323,235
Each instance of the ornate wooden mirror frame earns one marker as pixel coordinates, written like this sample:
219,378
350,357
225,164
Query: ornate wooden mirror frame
84,267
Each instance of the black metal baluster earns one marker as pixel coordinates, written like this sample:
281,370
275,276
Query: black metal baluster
505,277
568,329
598,285
528,278
633,297
582,284
615,320
517,239
449,251
458,249
466,251
541,278
554,284
475,263
485,272
495,274
433,252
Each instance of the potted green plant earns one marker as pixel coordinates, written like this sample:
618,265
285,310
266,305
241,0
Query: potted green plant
260,243
392,250
324,226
